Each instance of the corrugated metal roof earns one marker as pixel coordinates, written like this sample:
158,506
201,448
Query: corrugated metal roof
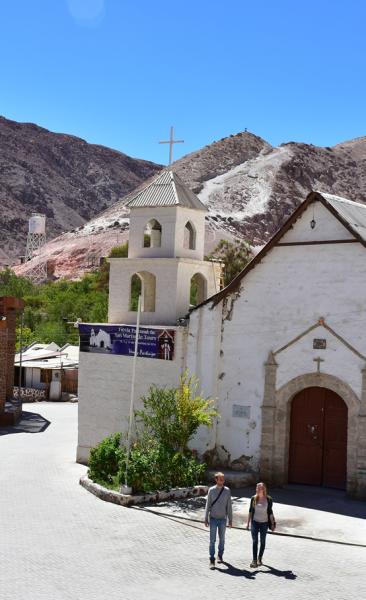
40,357
353,213
167,190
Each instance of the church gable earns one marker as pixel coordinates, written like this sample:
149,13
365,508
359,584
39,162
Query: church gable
336,217
316,224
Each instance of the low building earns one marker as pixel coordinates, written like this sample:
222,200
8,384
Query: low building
47,371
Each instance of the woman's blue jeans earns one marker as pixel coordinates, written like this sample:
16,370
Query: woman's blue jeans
220,526
261,529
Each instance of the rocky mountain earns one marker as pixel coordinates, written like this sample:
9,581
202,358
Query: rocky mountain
62,176
253,197
249,187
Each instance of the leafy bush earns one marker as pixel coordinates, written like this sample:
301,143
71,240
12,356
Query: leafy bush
153,467
159,458
105,460
173,416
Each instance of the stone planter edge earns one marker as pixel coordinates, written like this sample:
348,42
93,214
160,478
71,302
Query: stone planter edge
130,500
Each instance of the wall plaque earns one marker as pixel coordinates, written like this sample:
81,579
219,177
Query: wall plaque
319,344
241,411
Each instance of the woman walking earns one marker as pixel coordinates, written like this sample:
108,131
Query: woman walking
260,517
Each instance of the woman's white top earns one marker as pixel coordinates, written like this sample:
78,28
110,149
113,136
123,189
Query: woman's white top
260,511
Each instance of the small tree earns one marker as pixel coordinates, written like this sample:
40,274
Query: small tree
172,416
235,256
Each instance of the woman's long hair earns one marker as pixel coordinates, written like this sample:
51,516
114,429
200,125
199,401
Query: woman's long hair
264,491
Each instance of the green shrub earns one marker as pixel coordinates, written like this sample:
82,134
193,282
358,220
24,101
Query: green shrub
153,467
159,458
105,460
172,416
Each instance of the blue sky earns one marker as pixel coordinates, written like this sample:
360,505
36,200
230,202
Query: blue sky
120,72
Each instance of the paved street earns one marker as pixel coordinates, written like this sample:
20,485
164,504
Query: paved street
60,542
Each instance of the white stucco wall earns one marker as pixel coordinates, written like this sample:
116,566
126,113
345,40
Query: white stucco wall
105,386
326,227
172,220
286,293
173,277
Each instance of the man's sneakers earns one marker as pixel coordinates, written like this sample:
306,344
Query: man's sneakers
254,564
259,562
212,564
220,559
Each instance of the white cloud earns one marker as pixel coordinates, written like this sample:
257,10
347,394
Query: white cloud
86,11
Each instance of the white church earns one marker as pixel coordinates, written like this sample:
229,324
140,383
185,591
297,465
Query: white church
282,349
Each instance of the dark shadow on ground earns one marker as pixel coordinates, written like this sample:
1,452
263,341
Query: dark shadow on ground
234,571
29,423
278,573
184,506
316,498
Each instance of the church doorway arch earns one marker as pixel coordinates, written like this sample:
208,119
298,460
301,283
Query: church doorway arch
318,438
276,422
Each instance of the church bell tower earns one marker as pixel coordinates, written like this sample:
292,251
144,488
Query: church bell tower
165,261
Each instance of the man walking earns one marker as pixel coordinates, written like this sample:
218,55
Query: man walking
218,512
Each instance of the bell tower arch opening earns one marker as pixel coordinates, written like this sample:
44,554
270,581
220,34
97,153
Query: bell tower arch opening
143,284
198,289
152,234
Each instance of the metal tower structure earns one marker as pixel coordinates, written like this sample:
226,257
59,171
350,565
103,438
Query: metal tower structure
35,240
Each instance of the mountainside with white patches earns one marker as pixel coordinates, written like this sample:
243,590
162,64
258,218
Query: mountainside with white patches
249,187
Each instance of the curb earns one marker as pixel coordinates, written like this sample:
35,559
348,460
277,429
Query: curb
129,500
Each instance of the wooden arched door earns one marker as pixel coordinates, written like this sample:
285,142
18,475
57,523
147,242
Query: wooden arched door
318,438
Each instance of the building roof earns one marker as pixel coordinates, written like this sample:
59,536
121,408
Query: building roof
351,214
167,189
49,356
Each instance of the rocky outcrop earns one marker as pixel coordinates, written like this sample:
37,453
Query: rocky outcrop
249,187
62,176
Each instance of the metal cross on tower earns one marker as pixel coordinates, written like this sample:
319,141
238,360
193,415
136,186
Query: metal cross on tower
171,141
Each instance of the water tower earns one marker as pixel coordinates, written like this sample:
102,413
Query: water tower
35,240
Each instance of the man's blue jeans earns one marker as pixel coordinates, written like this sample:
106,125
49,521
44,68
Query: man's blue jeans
220,526
261,529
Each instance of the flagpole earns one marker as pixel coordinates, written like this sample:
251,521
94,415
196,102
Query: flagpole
126,489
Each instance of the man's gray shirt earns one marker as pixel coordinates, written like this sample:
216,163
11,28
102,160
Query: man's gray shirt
222,509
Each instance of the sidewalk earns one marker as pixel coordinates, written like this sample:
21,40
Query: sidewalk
304,511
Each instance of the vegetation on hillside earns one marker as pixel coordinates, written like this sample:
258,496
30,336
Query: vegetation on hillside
234,255
51,308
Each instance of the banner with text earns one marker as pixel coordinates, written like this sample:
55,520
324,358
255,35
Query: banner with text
120,339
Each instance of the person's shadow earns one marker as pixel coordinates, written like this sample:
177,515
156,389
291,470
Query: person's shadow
235,572
278,573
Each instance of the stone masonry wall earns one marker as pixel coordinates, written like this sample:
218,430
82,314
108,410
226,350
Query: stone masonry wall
9,307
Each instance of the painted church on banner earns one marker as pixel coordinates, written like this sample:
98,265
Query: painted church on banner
282,349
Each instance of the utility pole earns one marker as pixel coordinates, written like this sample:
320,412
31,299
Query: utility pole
126,489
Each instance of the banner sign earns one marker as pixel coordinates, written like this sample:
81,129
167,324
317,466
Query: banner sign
120,339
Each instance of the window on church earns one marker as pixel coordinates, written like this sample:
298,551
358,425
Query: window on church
152,234
198,291
143,284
